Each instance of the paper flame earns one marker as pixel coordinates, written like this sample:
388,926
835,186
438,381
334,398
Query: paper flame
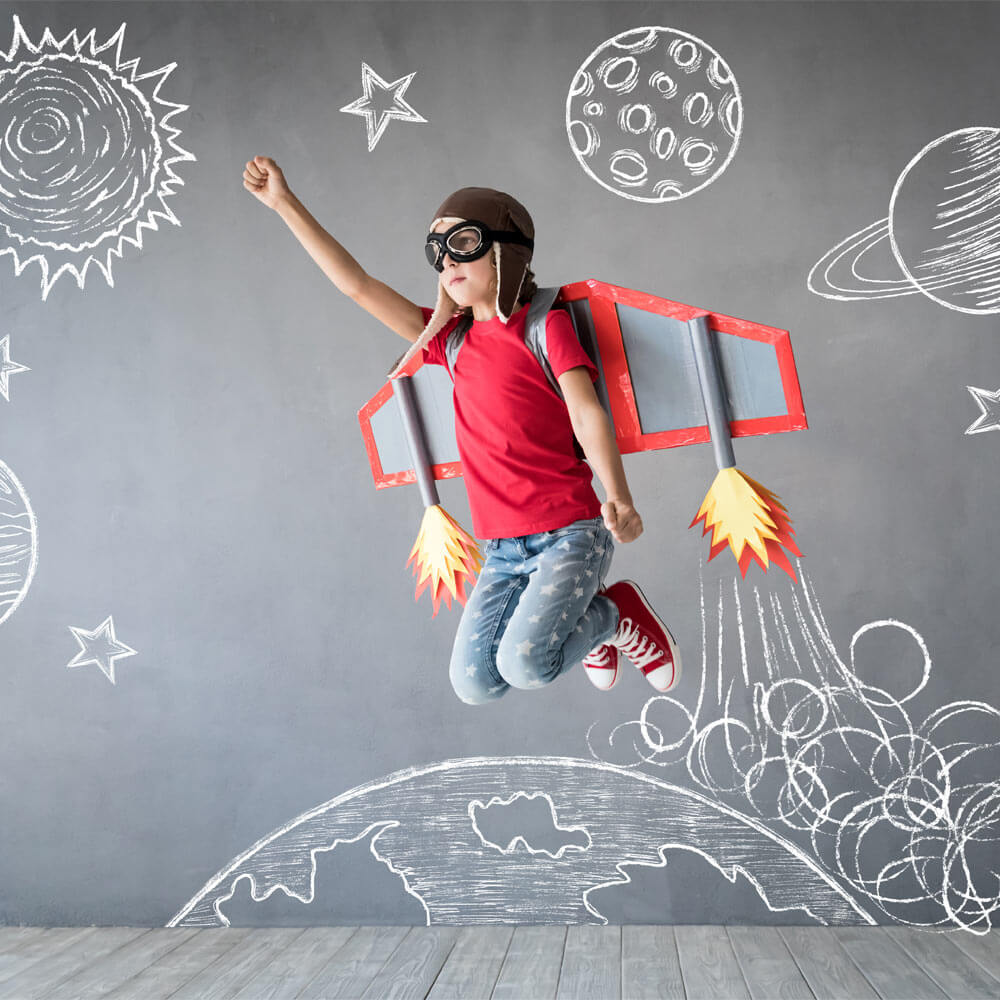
445,558
748,518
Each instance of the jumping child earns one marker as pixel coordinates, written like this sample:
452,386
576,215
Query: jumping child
539,605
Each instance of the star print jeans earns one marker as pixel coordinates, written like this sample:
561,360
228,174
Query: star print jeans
534,611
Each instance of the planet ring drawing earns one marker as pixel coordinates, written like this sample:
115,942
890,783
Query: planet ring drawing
943,228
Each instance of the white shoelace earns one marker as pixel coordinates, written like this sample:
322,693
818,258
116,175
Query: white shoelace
636,646
600,657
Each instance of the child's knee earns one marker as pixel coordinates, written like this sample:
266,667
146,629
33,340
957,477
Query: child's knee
525,664
473,685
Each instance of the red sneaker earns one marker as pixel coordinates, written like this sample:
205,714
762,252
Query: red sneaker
643,638
601,666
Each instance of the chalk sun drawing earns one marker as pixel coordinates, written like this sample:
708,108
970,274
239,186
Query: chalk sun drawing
100,647
905,812
654,114
989,404
85,164
378,117
8,367
18,543
423,823
943,227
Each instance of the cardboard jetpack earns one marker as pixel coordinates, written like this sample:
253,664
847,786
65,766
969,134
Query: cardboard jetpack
669,375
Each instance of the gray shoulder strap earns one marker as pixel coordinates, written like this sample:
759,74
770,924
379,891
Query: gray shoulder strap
455,340
534,330
534,334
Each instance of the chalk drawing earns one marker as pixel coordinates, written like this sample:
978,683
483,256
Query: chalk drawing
86,163
422,824
100,647
377,116
654,114
989,403
18,543
906,812
943,228
8,367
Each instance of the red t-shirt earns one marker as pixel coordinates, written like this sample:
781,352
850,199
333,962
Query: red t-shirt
514,434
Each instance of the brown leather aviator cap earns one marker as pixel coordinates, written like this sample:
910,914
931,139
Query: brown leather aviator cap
498,210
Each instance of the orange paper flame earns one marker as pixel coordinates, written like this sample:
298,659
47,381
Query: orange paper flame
748,518
445,556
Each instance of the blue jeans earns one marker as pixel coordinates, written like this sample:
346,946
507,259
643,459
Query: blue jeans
534,611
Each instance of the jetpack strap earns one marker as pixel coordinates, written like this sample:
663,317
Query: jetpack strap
534,334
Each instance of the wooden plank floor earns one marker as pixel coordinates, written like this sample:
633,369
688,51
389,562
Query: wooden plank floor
500,962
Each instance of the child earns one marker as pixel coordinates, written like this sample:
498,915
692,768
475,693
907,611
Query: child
538,606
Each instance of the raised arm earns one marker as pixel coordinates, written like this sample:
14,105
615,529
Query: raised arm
264,179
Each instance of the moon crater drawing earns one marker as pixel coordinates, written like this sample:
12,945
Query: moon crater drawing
85,162
943,228
654,114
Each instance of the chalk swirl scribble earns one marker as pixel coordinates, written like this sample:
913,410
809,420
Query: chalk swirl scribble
907,811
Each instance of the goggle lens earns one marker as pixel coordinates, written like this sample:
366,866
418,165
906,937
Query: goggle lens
463,244
465,241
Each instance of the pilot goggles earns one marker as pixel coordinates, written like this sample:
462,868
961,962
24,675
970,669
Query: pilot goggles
468,241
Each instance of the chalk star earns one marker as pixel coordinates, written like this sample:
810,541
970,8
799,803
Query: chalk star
989,403
7,367
548,589
377,118
470,671
524,648
534,619
101,647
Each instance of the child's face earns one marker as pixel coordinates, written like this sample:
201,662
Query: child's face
471,282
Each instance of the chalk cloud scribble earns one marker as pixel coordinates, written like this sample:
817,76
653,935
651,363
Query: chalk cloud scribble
903,809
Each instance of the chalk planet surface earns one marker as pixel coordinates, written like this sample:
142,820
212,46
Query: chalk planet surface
426,824
654,114
18,543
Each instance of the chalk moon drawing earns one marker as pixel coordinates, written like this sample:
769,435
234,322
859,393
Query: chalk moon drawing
86,163
654,114
424,824
18,543
943,227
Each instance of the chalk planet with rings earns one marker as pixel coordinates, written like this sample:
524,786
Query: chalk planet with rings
654,114
943,228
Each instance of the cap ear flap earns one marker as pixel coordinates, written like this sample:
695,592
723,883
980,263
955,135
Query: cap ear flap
496,301
444,309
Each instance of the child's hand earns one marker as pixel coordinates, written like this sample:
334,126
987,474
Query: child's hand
265,181
622,520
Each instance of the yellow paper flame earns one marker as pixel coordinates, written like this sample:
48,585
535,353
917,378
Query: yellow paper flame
445,556
748,518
